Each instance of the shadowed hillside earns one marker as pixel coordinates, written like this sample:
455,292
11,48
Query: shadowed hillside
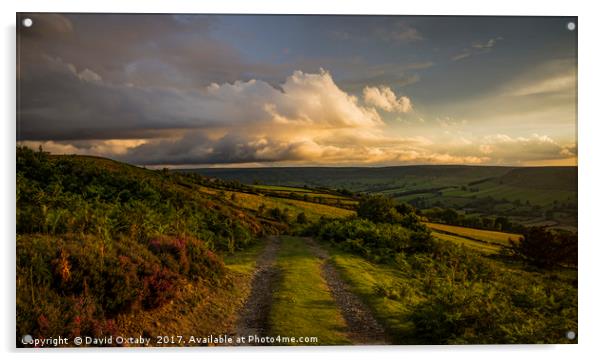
356,178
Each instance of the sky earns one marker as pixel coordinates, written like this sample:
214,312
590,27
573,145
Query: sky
258,90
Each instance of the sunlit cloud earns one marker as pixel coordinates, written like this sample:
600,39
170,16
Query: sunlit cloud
107,148
384,98
556,76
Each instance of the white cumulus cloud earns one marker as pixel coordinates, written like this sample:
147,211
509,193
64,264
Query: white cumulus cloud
384,98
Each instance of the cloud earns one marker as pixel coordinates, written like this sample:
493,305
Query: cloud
488,44
549,85
168,90
393,74
504,149
307,119
149,50
79,104
107,148
534,147
384,98
399,31
460,56
305,100
448,122
549,78
88,75
477,48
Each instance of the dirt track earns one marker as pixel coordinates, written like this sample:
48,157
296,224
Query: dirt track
253,318
363,329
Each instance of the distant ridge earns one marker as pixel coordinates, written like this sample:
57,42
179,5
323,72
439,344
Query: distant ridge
366,178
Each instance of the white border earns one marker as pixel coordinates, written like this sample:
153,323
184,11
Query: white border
589,170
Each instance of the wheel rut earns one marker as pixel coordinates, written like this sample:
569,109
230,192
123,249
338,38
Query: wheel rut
253,317
363,328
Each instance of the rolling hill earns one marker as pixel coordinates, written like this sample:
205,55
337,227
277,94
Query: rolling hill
539,185
527,195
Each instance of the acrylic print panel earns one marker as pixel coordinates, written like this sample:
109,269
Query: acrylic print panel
194,180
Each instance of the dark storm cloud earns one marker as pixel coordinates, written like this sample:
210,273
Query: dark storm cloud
119,76
111,76
146,50
196,148
59,101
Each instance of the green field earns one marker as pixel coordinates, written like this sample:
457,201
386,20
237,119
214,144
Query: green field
311,195
482,247
283,188
524,194
512,193
500,238
313,211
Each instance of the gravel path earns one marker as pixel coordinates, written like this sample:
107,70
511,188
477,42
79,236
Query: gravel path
363,327
254,315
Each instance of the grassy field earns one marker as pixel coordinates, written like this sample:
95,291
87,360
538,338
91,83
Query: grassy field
311,195
482,247
302,304
511,193
313,211
314,194
478,234
283,188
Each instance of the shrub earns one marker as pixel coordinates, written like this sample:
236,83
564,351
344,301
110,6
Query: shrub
97,239
375,241
159,287
512,310
458,314
394,291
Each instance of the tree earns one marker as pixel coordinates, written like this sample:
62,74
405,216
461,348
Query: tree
502,223
378,209
279,215
545,248
301,218
449,216
404,209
